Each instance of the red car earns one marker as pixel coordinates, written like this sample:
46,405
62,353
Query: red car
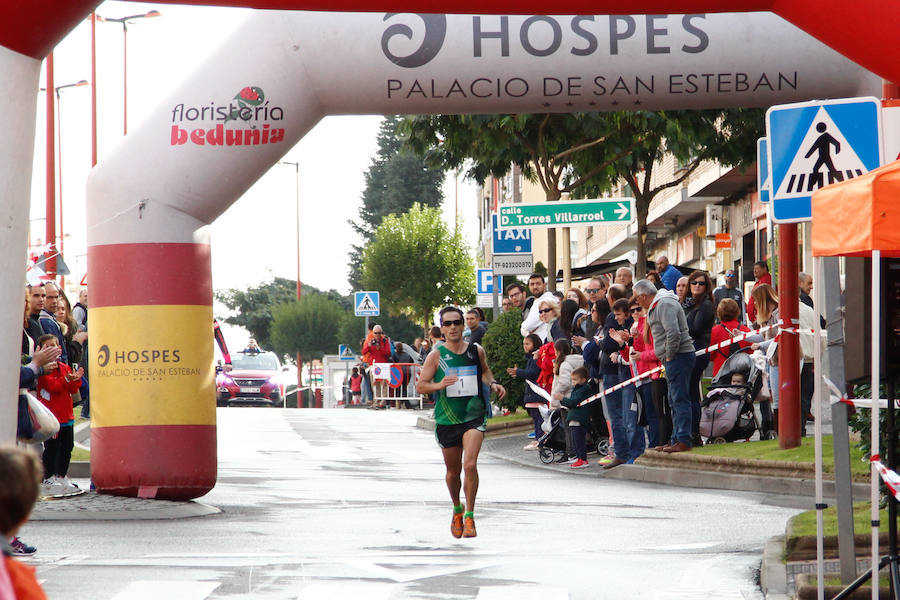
256,379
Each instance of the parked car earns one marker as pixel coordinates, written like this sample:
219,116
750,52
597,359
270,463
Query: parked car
255,379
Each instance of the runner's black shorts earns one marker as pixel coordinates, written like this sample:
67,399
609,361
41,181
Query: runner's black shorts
450,436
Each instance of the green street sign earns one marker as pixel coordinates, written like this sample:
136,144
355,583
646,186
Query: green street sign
576,213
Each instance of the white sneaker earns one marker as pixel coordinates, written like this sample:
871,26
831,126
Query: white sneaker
531,446
572,460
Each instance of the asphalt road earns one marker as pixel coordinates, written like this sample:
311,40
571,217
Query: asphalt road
338,504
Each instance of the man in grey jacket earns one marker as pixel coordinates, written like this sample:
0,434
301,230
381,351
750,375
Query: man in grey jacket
673,345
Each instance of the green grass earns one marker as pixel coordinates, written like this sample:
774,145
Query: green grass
805,452
518,415
804,524
80,454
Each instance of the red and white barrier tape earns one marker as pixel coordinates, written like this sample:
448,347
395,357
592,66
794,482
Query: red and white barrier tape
837,396
890,478
708,350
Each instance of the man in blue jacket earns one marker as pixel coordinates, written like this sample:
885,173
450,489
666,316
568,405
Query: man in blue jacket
667,273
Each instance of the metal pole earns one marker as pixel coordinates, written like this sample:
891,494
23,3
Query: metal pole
124,78
567,258
93,89
50,201
875,438
830,284
60,246
495,286
297,189
789,344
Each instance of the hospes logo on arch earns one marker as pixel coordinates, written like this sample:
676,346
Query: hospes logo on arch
106,355
249,111
492,34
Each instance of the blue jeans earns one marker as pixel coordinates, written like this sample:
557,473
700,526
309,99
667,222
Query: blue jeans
615,405
578,444
678,372
366,389
634,431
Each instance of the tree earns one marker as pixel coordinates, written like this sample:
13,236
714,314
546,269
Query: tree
254,305
418,264
309,327
503,348
586,153
544,146
396,179
692,137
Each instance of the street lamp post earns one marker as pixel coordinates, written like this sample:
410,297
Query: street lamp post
296,165
81,83
125,21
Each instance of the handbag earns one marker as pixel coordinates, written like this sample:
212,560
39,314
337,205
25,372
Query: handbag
43,424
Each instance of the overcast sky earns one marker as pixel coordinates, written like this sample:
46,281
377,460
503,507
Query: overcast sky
250,245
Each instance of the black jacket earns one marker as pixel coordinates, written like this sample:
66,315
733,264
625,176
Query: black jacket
700,320
530,373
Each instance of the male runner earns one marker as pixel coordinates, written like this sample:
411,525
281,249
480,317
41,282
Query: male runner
451,372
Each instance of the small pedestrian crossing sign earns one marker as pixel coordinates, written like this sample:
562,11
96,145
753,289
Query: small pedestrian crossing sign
345,353
762,170
814,144
367,304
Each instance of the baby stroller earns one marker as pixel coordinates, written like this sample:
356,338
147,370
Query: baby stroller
552,445
727,414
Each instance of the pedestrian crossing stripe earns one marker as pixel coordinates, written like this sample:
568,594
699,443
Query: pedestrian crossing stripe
814,144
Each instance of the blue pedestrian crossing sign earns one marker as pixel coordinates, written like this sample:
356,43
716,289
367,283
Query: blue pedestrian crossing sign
367,304
814,144
345,352
510,241
762,170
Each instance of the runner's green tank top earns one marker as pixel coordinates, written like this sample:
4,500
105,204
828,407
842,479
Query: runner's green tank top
461,402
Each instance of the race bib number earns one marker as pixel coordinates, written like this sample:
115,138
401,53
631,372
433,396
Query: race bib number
466,385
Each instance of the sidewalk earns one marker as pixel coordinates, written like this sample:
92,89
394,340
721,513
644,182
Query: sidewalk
793,481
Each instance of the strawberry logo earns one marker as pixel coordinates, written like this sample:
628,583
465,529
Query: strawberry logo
247,98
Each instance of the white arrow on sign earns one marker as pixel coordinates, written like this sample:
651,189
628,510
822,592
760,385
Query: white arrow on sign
621,212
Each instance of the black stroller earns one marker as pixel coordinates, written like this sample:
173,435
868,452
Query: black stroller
552,445
727,414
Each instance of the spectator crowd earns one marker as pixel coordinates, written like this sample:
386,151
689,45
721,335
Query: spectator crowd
612,329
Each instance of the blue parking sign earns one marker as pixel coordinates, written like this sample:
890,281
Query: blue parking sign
814,144
484,282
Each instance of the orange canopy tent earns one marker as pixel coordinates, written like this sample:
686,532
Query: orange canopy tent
859,215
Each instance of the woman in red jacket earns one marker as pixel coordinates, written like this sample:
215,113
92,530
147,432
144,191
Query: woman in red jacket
728,327
652,390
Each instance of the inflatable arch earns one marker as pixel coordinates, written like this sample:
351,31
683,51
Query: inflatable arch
151,202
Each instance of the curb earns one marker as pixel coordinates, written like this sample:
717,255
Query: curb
773,572
96,507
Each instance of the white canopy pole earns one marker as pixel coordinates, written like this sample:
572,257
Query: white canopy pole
819,400
876,388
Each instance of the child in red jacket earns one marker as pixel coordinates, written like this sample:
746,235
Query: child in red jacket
55,390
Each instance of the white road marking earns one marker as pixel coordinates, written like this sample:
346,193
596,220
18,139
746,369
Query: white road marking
522,591
170,590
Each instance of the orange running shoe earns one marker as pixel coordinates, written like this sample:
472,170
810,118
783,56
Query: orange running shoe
456,525
469,529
